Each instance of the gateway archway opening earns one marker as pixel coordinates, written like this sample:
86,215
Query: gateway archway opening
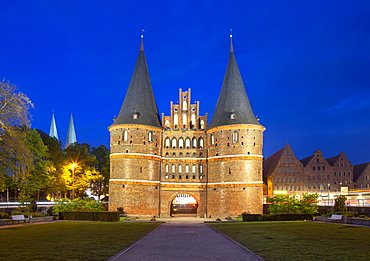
184,204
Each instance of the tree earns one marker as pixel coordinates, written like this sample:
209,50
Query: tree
57,158
79,168
14,121
282,204
100,184
340,204
16,158
14,107
40,177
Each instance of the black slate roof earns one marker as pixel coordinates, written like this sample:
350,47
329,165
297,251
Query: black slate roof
233,105
139,106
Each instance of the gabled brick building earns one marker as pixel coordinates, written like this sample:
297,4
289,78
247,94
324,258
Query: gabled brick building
314,174
162,166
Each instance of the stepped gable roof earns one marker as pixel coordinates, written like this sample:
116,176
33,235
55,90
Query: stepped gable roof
270,164
233,105
139,105
305,161
359,169
332,160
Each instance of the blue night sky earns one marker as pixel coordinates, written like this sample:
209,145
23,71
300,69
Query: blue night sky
305,64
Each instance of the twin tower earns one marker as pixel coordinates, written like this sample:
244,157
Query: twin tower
168,165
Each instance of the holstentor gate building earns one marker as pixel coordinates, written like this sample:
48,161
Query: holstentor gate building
159,163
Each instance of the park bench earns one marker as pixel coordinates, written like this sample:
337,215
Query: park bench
335,218
19,218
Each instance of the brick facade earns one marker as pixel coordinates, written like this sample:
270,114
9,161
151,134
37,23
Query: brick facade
283,172
220,168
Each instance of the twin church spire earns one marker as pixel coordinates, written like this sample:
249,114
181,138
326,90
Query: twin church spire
139,106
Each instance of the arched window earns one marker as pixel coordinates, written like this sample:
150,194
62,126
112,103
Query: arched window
187,168
167,124
235,136
212,139
181,143
184,105
184,119
166,168
176,119
193,120
125,135
187,143
173,168
200,143
194,168
194,142
174,143
180,168
201,169
202,124
150,136
167,142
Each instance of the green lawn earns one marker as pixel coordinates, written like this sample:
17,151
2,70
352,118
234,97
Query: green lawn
300,240
70,240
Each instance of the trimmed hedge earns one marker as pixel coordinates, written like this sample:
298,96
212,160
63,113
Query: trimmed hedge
276,217
106,216
4,215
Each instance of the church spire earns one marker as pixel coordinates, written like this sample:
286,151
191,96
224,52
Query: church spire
139,105
71,134
53,128
233,105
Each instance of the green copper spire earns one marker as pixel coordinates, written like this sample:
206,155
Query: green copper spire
71,134
53,128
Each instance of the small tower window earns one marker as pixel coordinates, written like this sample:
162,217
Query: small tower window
235,137
135,115
125,135
232,116
150,136
212,139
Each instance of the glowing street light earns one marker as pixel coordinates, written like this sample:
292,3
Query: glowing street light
73,179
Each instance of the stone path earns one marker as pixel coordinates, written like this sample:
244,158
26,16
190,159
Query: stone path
185,239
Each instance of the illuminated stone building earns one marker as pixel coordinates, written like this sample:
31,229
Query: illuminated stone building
173,164
283,172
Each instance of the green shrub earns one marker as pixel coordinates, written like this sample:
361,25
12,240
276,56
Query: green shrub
283,204
340,204
4,215
276,217
78,204
25,214
107,216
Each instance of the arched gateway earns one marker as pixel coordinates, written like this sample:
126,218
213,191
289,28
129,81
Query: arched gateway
183,204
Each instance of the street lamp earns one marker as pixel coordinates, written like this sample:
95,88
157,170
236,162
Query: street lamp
73,179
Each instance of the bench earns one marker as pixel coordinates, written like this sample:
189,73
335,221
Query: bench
19,218
335,218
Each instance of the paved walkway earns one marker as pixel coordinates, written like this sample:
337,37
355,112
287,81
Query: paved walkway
185,239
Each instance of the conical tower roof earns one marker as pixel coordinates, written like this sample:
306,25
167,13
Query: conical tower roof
139,106
71,134
233,105
53,128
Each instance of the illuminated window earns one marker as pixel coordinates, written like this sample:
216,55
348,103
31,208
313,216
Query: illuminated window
125,135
